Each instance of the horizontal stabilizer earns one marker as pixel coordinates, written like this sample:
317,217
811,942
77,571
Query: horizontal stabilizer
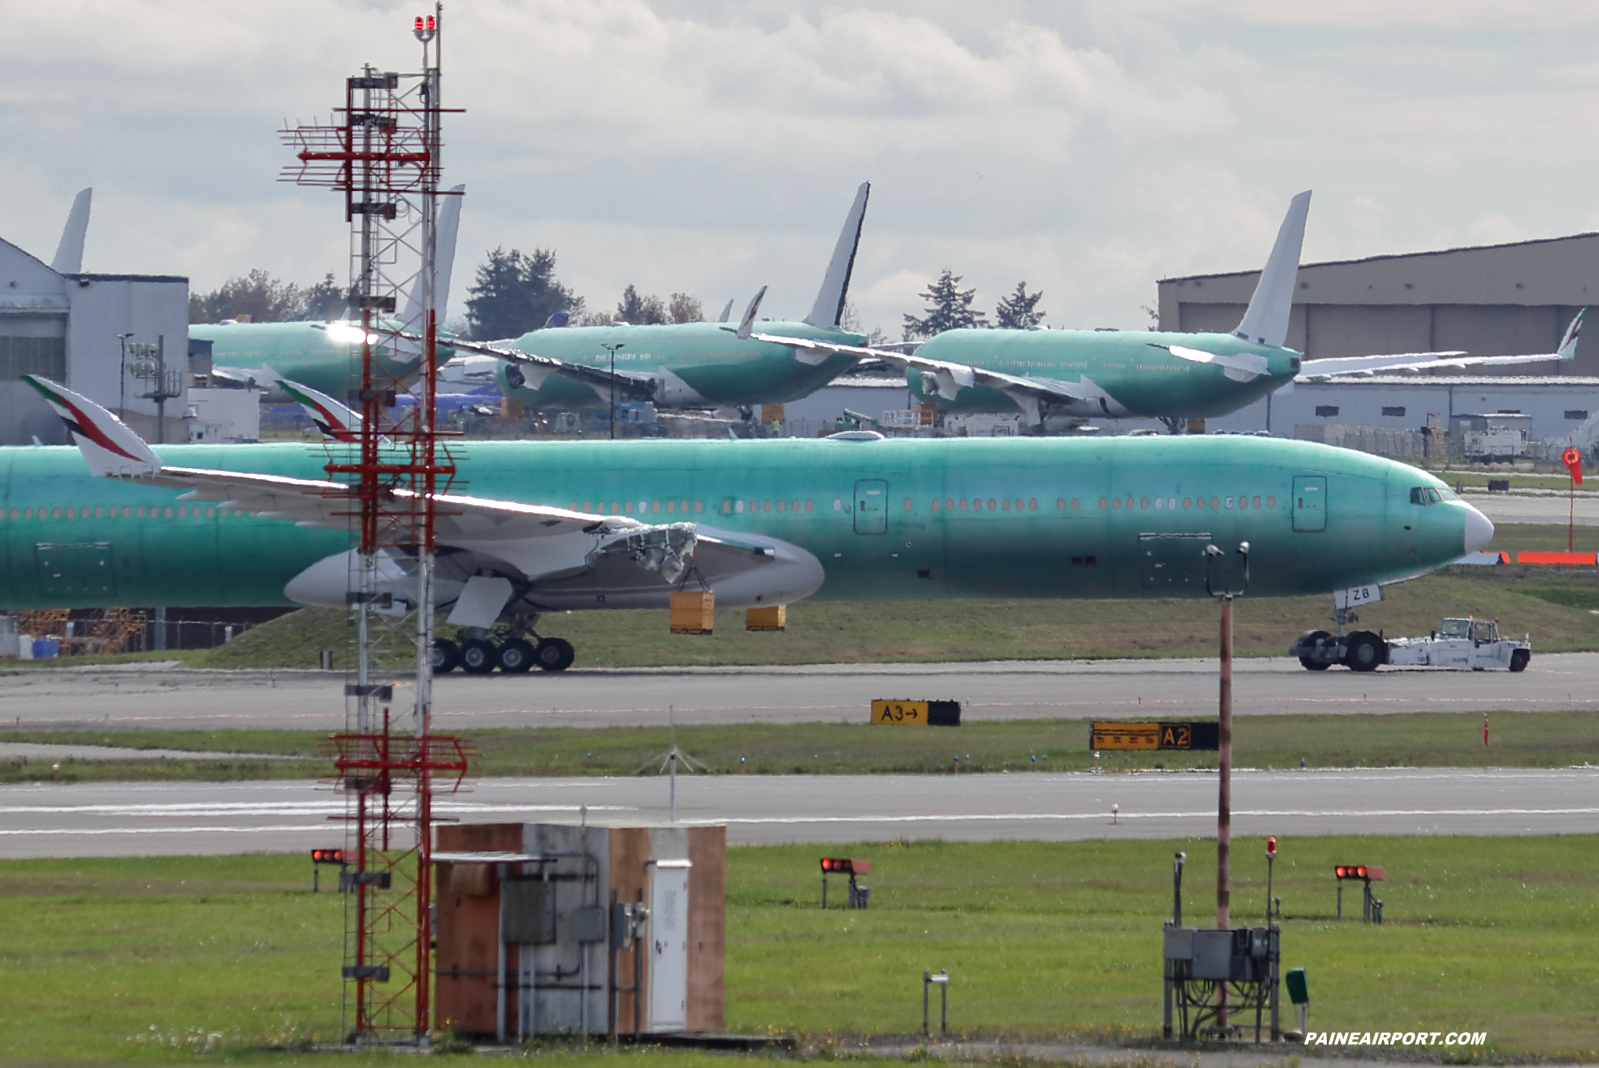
110,448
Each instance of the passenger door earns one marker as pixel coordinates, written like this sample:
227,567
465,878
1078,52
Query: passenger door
871,506
1310,503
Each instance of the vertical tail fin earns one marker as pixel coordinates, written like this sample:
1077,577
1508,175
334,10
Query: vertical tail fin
829,307
444,244
727,310
1568,344
108,446
336,421
69,253
1266,320
746,324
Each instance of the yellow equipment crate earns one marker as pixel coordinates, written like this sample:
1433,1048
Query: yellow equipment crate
773,618
693,612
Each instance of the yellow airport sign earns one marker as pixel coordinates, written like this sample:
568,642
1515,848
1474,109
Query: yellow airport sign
894,713
1151,736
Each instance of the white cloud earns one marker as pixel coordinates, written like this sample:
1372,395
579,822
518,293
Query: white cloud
712,146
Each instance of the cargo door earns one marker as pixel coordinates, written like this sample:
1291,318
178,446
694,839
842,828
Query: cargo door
1173,562
668,960
1310,503
871,506
75,571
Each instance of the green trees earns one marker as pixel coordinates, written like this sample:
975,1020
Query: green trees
266,299
515,293
1019,311
949,307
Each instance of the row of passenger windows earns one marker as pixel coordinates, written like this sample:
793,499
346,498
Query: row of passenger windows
946,504
642,507
181,511
1170,503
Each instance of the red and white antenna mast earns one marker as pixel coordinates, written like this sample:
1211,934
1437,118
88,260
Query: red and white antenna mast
383,153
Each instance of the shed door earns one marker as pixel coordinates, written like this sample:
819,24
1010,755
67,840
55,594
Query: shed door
1310,503
668,994
871,506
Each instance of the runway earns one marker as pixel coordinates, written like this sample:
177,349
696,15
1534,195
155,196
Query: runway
226,818
1545,509
172,699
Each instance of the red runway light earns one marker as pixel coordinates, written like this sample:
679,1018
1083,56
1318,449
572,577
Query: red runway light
1271,846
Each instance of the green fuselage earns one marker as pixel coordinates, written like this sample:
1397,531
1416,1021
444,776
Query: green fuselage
887,519
1140,379
303,352
694,365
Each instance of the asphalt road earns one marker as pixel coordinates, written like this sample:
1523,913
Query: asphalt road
1543,509
182,699
119,819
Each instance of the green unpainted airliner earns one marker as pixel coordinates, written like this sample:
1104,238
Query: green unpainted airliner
592,525
327,355
686,365
1057,379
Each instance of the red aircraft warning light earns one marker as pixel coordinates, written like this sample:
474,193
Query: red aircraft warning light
327,856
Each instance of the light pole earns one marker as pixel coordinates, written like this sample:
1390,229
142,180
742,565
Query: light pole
122,378
612,350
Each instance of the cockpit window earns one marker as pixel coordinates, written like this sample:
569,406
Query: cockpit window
1424,495
1448,495
1455,628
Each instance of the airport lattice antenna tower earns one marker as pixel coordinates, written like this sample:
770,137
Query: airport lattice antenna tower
382,152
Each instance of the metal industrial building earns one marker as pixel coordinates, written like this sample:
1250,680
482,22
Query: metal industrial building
70,326
1485,301
1489,300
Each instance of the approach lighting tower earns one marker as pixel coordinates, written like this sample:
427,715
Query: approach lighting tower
381,150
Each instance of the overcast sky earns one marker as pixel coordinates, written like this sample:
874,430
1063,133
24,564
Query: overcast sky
713,147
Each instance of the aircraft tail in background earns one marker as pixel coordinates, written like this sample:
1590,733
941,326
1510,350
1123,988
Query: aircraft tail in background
829,308
1266,320
69,254
449,226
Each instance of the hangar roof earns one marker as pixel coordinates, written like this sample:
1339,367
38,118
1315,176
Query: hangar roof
1548,271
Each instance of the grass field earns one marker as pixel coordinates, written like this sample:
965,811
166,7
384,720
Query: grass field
1422,739
1558,608
151,958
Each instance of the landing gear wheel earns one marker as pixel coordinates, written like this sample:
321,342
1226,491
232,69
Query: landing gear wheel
1365,651
554,654
477,657
446,656
1312,639
516,656
1519,658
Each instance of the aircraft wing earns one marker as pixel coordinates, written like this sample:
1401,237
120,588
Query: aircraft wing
949,377
539,541
1344,367
534,369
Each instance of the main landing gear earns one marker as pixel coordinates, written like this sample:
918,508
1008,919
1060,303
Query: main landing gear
513,656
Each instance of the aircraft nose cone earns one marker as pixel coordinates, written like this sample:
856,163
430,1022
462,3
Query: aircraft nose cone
1479,529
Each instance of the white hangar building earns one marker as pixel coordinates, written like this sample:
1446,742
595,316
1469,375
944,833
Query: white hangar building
1489,300
61,323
